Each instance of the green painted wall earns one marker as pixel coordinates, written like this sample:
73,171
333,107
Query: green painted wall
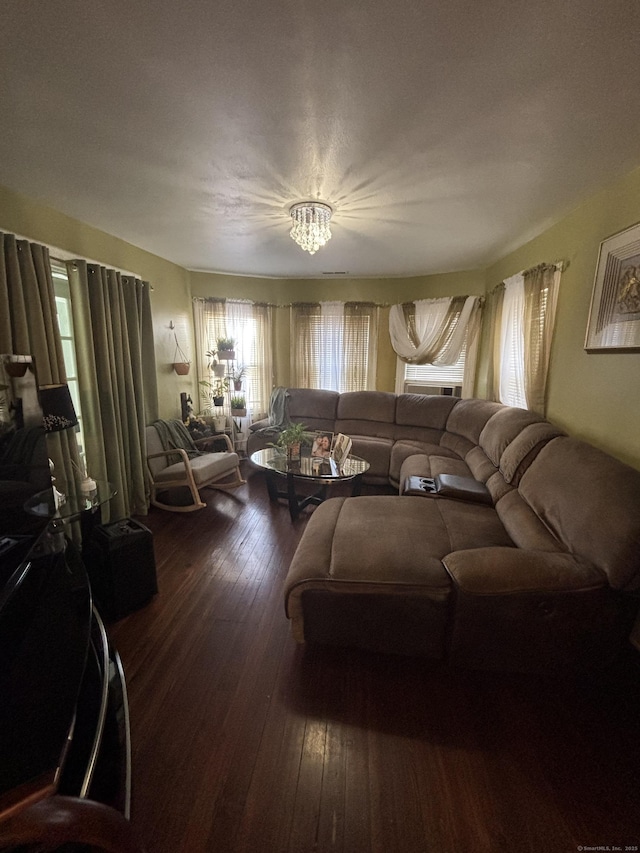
594,396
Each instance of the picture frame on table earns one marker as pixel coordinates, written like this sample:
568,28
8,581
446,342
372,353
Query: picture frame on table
321,444
614,315
341,448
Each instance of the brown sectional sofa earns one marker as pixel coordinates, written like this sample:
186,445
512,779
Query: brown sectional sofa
545,578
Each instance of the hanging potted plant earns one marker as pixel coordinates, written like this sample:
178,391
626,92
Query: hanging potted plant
181,363
239,406
237,375
226,349
290,440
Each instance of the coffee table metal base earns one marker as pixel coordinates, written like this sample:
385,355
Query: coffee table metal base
298,502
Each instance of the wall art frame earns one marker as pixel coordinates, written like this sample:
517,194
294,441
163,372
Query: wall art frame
614,315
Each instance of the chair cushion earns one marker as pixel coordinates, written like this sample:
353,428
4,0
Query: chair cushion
205,468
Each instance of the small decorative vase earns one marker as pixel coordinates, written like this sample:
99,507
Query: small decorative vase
293,452
218,370
220,423
237,384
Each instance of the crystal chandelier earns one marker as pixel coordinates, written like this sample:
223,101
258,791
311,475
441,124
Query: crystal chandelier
310,227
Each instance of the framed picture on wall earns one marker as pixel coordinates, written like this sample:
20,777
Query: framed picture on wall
614,316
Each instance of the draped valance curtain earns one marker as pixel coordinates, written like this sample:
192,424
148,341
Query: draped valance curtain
435,331
116,377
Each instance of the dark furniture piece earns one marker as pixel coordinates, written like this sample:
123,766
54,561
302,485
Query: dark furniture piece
65,763
121,566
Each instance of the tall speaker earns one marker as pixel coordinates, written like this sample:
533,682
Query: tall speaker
121,566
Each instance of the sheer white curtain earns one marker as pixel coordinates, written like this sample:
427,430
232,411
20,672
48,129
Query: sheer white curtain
249,325
511,374
332,361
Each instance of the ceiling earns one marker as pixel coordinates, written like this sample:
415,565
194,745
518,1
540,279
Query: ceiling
443,134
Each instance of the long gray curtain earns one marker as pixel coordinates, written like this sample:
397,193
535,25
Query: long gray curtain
116,378
29,326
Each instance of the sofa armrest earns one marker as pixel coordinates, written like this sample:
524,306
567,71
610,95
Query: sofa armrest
261,423
504,571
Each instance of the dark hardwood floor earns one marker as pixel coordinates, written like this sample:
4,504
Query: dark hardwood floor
243,741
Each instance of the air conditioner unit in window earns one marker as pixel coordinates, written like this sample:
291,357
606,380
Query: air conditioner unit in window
443,390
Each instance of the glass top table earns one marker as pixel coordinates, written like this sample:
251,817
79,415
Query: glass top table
65,501
320,470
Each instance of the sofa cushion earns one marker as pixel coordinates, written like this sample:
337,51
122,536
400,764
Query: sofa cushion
589,501
366,413
502,428
349,583
422,417
377,452
204,468
524,526
314,407
403,451
521,452
428,465
468,419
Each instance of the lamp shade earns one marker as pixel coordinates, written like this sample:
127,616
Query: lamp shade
57,408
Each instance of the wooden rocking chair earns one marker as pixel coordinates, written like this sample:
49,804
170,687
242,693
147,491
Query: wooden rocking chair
175,462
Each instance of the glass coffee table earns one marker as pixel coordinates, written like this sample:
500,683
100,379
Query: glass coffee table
307,469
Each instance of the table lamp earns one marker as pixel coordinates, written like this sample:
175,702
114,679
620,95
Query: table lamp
58,414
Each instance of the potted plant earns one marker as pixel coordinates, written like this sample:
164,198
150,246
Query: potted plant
213,365
239,406
237,375
291,438
226,349
213,393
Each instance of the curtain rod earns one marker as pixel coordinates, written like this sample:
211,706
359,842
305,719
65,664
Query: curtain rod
62,255
287,304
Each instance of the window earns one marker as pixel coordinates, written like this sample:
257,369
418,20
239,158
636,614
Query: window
432,375
524,315
334,346
65,323
249,325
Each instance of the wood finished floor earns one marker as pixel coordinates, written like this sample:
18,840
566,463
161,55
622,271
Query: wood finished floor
244,742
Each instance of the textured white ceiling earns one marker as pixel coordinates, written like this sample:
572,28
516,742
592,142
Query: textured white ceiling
443,134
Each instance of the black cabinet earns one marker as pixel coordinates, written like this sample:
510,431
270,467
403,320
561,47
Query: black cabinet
121,565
